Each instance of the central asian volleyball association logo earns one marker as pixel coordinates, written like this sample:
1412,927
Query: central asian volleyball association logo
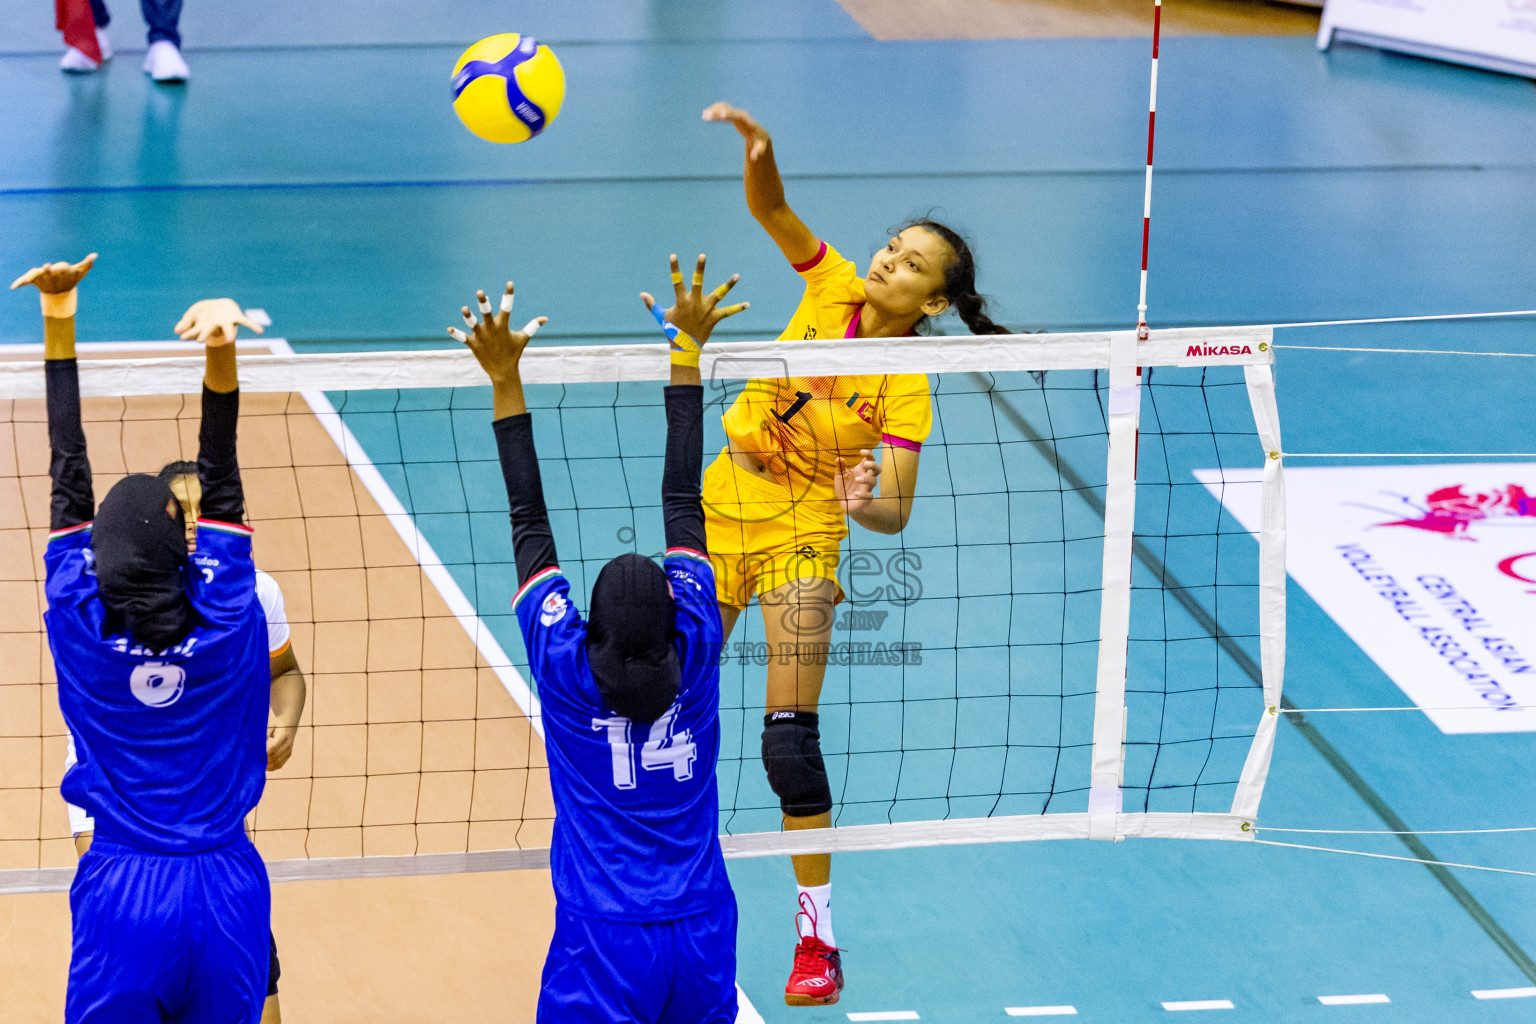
157,684
1451,512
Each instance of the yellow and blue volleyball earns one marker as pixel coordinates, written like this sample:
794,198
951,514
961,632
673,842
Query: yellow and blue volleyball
508,87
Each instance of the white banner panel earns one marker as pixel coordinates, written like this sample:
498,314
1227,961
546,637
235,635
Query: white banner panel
1498,34
1431,569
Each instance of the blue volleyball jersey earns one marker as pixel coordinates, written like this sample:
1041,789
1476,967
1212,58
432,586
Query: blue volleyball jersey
171,745
636,805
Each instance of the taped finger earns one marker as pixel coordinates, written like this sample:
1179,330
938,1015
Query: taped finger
469,319
720,292
459,335
485,303
733,310
670,330
532,326
506,300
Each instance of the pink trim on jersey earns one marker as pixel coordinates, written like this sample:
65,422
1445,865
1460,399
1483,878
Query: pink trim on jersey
69,531
853,325
810,264
901,442
689,553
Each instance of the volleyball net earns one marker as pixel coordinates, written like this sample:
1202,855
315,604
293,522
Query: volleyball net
1072,638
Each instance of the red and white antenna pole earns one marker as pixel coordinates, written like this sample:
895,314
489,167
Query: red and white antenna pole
1146,206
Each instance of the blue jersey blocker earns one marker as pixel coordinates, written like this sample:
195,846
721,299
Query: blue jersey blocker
171,904
646,920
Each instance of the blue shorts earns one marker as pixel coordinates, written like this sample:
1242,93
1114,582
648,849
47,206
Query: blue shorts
169,937
661,972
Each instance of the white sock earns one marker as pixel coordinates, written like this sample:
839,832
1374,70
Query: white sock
816,901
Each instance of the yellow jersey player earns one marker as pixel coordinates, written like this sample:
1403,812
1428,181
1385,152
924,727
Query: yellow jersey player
804,455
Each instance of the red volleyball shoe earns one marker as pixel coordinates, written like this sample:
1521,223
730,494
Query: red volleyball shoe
817,978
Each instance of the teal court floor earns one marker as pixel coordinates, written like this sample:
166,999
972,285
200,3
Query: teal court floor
313,168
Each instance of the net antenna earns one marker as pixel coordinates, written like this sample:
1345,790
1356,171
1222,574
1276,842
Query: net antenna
1146,204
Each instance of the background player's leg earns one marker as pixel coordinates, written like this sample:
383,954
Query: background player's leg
729,613
235,905
797,620
272,1011
797,623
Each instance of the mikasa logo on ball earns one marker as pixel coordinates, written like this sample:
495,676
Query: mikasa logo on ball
157,684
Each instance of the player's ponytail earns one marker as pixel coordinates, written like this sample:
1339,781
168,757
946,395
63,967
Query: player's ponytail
960,279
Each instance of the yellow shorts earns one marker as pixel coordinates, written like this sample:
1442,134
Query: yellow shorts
760,537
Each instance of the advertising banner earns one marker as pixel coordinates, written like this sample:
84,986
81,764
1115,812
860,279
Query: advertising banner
1430,569
1498,34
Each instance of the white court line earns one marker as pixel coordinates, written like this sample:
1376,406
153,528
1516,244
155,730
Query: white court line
405,525
1200,1004
1360,1000
1040,1011
1503,993
746,1013
886,1015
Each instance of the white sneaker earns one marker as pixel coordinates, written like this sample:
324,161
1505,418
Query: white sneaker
76,62
163,62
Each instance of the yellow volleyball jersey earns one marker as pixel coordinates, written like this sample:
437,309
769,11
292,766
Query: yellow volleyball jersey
799,427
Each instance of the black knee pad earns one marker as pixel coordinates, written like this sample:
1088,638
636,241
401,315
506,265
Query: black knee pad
274,969
792,755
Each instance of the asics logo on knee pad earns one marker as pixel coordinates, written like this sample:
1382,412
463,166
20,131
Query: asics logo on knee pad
792,756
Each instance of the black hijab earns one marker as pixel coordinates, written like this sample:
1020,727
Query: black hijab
630,638
139,540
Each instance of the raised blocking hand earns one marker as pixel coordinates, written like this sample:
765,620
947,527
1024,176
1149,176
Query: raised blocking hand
497,347
213,322
56,278
693,312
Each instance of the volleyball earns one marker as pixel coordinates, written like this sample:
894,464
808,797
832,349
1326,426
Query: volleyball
508,87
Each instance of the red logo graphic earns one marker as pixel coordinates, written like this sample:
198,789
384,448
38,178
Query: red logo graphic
1451,511
1507,567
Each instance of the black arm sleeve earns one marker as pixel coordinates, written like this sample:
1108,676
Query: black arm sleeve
217,465
682,506
73,502
533,544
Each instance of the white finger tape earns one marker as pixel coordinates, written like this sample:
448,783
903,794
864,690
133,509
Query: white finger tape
532,327
469,321
506,302
458,334
485,305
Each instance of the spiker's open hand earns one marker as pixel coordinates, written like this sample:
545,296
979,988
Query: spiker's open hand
756,136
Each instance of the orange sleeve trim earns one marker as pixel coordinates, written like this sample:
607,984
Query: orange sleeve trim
287,646
810,264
